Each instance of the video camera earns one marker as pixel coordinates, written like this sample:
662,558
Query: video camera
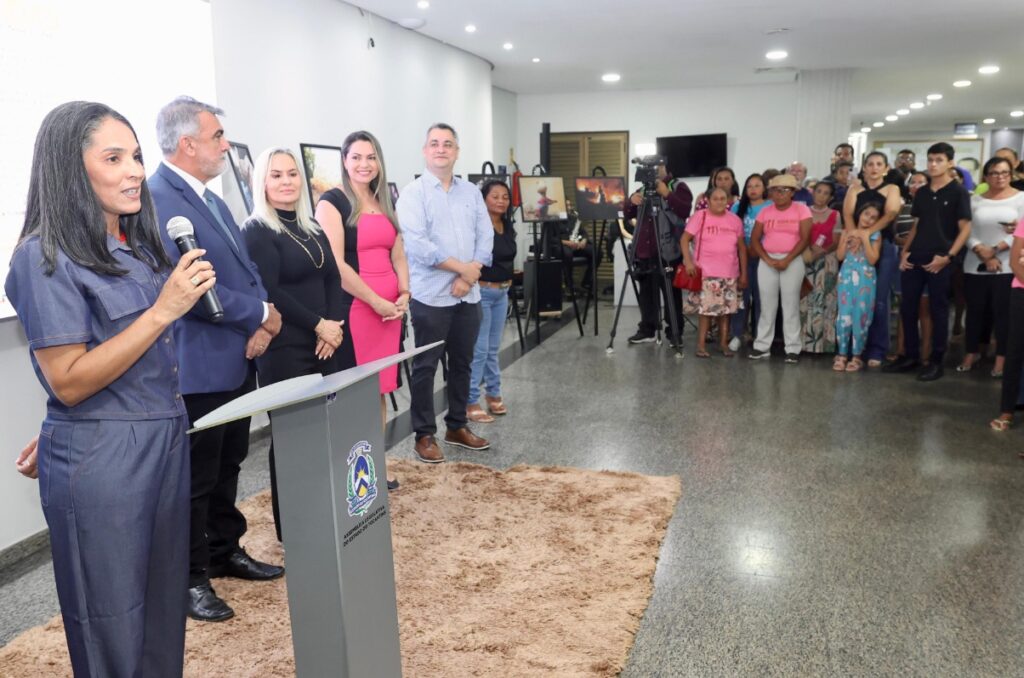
647,171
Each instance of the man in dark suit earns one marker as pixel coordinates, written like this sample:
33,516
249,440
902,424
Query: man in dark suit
215,360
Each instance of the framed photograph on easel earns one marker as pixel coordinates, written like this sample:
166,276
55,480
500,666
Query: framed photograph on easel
543,198
600,198
241,166
322,165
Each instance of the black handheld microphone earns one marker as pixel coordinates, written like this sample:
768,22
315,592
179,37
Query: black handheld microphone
183,233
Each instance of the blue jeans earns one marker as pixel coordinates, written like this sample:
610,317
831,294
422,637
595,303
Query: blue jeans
888,270
751,304
494,307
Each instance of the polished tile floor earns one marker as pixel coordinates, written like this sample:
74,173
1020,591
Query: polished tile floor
830,524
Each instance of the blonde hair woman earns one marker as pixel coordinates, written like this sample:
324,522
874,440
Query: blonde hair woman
301,277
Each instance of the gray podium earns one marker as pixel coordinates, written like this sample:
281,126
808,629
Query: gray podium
335,517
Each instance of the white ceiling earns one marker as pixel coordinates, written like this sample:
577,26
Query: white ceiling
900,50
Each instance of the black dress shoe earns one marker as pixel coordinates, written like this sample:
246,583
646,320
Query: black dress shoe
393,485
902,364
931,373
205,605
242,566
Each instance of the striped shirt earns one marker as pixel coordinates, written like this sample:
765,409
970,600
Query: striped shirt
437,225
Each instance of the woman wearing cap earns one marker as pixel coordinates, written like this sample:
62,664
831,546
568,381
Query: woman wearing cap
781,234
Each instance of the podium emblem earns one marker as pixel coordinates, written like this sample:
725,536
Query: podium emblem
362,479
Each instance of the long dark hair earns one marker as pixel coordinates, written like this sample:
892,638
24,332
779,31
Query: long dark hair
735,191
378,185
485,190
744,207
63,209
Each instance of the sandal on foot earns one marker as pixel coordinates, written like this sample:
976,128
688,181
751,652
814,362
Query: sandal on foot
496,406
1000,424
874,362
839,364
476,413
726,352
996,374
855,365
701,353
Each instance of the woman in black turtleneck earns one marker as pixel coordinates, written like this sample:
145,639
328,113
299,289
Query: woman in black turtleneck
300,275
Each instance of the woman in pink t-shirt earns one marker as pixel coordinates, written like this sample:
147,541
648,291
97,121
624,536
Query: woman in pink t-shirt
1015,336
721,254
781,233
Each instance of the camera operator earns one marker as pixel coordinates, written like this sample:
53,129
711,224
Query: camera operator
678,201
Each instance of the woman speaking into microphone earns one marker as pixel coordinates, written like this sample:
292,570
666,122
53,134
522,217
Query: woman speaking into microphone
97,296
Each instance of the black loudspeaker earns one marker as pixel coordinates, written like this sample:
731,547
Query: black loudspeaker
550,284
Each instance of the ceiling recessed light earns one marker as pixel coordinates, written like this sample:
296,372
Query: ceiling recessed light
879,124
916,105
933,97
865,129
1016,114
989,70
536,60
988,121
507,45
470,28
611,77
423,4
903,111
962,83
892,118
776,55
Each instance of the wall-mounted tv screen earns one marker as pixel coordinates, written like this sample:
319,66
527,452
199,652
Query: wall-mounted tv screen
695,155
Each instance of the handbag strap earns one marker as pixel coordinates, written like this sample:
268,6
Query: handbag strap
700,233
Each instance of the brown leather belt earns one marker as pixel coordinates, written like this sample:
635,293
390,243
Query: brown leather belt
496,285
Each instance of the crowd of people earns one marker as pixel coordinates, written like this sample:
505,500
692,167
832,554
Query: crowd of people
833,254
130,358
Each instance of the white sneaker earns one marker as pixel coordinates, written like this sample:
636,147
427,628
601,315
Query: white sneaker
734,344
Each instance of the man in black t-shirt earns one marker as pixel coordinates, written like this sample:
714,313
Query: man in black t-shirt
942,224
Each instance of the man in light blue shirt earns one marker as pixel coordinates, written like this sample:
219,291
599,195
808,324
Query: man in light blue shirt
448,238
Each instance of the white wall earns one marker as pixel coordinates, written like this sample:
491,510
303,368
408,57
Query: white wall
505,128
85,57
302,72
760,122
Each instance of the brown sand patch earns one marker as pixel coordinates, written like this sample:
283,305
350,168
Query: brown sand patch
527,572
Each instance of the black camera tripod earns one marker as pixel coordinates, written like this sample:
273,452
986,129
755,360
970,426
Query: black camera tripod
653,205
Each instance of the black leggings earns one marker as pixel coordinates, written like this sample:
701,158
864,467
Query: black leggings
1014,352
988,296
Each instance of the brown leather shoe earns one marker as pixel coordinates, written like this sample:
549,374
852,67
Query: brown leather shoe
463,437
427,450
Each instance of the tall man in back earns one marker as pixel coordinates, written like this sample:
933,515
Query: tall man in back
448,239
942,224
214,358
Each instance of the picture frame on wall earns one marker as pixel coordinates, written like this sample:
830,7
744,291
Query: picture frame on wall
323,167
600,198
543,199
242,166
393,191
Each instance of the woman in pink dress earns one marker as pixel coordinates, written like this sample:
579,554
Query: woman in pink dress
359,220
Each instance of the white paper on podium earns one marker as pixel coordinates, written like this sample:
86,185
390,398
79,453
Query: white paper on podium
299,389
